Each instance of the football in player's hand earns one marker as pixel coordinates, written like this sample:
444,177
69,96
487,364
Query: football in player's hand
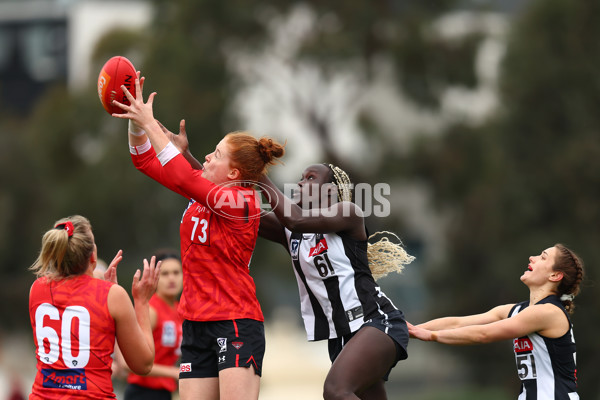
116,72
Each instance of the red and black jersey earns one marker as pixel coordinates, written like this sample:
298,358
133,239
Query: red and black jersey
167,339
74,336
218,234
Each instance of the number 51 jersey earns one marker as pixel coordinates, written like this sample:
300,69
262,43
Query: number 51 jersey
74,336
546,366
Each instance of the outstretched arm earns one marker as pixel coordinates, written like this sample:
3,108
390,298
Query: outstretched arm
340,217
142,115
495,314
132,322
182,143
545,319
271,229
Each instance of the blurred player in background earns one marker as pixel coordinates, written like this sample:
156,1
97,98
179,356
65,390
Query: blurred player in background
100,269
223,330
540,328
165,321
76,317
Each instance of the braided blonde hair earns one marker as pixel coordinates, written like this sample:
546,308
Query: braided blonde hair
386,256
342,182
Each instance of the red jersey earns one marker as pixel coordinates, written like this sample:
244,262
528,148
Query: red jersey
218,234
167,339
74,336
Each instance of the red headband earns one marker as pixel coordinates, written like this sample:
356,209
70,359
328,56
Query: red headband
67,226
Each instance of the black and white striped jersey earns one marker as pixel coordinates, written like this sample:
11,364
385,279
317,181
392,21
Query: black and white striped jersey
547,367
337,290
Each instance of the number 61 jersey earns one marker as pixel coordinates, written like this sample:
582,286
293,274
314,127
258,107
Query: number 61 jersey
74,336
337,290
546,366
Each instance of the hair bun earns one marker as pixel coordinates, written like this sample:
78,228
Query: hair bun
269,150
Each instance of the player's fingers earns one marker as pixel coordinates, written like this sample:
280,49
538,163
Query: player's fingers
111,275
122,106
152,264
151,98
146,267
117,259
128,94
122,116
157,274
138,88
136,277
182,131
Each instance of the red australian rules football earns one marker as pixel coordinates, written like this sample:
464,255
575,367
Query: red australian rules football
116,72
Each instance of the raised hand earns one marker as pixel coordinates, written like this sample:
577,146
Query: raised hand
179,140
144,284
139,112
111,272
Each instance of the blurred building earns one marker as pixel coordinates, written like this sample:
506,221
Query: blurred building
48,41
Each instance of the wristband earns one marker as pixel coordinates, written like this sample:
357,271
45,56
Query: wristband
134,129
137,150
167,154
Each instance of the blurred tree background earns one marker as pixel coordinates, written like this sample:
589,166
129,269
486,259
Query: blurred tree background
501,188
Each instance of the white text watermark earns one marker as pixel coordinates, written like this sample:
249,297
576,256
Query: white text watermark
249,200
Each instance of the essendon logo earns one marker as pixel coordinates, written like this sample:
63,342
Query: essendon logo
522,345
237,345
319,248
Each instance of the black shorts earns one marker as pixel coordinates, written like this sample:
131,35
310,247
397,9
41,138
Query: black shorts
392,324
137,392
208,347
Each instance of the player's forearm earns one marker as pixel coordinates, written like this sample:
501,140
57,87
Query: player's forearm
462,336
287,212
443,323
142,313
168,371
192,160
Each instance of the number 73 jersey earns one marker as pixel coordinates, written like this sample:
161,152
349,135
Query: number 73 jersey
546,366
74,336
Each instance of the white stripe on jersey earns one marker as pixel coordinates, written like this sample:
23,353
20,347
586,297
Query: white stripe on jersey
318,266
535,365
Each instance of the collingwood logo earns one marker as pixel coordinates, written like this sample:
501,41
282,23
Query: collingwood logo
295,244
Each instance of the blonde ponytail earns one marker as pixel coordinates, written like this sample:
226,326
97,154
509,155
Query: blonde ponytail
386,256
66,249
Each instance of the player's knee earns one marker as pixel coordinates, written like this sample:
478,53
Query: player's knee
334,391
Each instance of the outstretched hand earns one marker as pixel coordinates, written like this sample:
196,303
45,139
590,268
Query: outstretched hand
111,272
139,112
144,284
420,333
179,140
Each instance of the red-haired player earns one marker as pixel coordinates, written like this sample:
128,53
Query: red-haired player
223,333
